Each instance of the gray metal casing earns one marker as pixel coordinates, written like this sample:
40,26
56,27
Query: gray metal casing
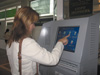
84,60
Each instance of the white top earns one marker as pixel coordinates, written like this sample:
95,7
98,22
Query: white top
32,53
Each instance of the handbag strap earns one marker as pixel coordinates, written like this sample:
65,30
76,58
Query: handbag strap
20,62
37,73
19,57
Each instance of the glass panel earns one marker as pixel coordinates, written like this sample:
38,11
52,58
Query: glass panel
41,6
10,13
2,14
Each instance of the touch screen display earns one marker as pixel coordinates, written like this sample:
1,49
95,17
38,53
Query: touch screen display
72,39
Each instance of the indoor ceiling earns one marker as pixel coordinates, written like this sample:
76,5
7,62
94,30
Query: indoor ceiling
6,3
2,1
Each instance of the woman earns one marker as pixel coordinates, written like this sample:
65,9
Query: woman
31,51
6,35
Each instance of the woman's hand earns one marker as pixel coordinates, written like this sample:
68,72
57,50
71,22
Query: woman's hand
64,40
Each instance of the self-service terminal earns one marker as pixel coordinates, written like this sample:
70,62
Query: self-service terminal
80,55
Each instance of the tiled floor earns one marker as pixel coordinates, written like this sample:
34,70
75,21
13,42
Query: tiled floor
4,64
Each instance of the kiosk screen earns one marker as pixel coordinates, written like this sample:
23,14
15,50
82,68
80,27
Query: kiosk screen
72,39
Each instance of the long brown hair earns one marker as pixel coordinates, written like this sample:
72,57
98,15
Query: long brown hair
23,18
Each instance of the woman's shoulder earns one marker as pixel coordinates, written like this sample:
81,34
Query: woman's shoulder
28,40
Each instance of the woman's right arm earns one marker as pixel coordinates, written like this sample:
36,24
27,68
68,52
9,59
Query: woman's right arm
38,54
